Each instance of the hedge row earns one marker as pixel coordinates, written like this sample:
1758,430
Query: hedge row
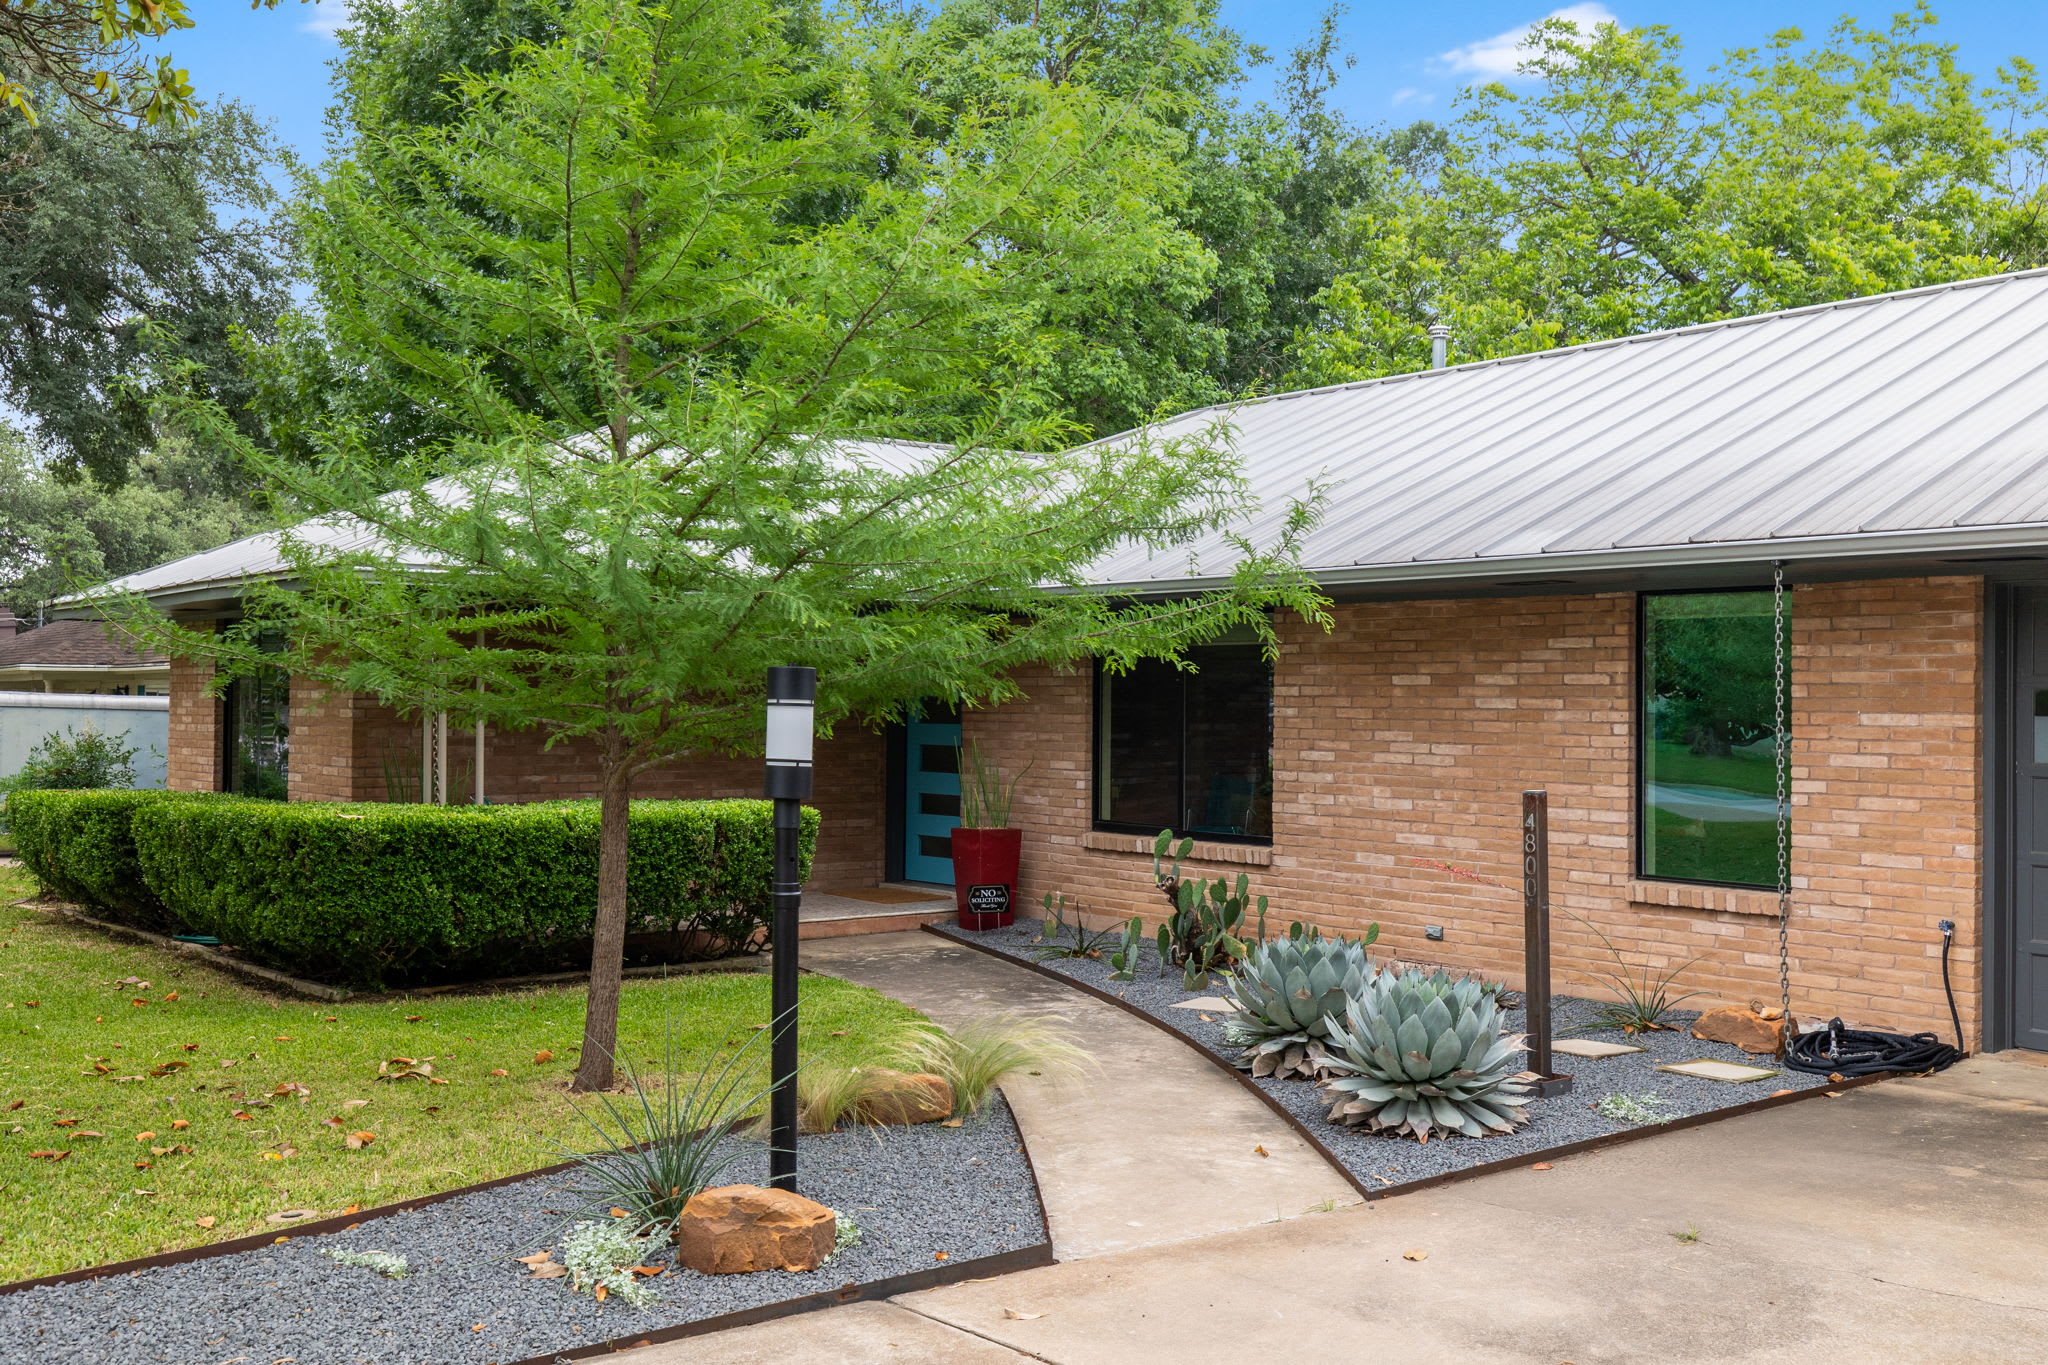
369,895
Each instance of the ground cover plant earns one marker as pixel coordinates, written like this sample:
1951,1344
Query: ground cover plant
193,1115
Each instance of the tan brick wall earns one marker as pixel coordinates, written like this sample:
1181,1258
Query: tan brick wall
1404,738
192,760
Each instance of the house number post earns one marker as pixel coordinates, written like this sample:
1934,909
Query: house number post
1536,941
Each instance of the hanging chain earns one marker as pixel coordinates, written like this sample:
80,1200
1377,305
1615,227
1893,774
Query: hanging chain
1783,751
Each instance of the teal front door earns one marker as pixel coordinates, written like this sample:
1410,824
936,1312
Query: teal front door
931,794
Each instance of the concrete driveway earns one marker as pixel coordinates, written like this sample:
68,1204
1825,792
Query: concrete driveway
1907,1222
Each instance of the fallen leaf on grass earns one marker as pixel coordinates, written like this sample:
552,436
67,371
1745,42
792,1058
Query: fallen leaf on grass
208,1221
359,1139
333,1121
170,997
144,1136
401,1068
1414,1255
180,1125
353,1104
284,1038
16,1105
543,1057
837,1033
163,1069
191,1047
291,1088
501,1071
65,1123
138,1003
47,1155
87,1132
142,1165
244,1115
1016,1316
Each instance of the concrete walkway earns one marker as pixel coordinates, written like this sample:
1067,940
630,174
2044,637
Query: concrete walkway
1157,1146
1903,1223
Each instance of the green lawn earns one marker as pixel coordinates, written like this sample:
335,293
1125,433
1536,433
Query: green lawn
81,1057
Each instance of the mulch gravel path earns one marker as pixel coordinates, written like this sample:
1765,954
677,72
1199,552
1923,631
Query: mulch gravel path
1385,1161
916,1193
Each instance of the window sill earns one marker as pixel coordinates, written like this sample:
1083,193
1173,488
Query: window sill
1686,896
1248,855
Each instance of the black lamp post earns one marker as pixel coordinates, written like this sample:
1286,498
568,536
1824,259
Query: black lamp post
792,698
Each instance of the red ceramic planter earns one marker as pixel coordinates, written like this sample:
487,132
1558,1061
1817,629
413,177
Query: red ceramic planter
985,876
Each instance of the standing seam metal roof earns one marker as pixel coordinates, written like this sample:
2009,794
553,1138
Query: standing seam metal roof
1922,411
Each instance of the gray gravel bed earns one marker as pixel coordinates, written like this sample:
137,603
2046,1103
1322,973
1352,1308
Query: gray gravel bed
1392,1161
914,1192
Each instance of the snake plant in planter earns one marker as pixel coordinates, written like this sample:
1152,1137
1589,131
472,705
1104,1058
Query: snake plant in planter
1287,991
1423,1056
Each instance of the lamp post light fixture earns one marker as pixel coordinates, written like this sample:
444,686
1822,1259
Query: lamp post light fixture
792,704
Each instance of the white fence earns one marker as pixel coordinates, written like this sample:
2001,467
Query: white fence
144,722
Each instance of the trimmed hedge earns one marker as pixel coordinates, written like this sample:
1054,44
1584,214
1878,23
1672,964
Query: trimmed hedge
80,845
372,894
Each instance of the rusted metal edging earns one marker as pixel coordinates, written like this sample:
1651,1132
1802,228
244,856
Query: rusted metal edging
1372,1192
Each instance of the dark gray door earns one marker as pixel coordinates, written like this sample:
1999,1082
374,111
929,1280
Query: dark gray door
2030,817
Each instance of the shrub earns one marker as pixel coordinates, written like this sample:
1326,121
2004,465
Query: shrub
80,846
74,761
389,894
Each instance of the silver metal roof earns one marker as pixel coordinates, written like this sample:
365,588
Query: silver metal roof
1913,423
1886,430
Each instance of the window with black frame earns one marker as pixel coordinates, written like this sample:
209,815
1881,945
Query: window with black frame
257,734
1707,806
1190,751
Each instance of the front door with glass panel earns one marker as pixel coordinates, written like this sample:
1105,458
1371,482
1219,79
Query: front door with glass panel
931,793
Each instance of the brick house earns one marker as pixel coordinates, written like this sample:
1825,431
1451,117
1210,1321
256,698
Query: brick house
1548,571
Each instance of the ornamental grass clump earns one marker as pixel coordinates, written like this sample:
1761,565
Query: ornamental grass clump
1287,993
1422,1057
980,1054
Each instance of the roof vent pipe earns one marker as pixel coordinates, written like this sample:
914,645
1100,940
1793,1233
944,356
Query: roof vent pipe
1439,345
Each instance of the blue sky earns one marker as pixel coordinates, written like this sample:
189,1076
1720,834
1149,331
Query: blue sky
1413,59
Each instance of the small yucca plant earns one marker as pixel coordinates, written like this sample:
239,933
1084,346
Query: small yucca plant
1421,1057
666,1141
1643,997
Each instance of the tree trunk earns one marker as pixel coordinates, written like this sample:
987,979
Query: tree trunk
594,1069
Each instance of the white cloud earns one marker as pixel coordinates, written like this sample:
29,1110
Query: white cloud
329,17
1495,58
1408,94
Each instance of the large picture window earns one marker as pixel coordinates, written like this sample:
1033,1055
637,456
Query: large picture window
257,740
1188,751
1708,807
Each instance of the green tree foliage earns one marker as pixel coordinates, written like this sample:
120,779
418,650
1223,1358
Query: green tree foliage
62,531
653,354
91,55
1615,194
103,228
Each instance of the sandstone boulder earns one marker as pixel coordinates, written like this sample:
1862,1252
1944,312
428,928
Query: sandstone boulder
734,1229
1751,1029
902,1098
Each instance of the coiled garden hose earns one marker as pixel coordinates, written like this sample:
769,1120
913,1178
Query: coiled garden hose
1838,1051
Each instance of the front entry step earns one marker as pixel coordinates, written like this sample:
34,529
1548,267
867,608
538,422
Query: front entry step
838,912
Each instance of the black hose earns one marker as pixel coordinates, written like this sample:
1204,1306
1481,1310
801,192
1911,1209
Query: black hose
1838,1051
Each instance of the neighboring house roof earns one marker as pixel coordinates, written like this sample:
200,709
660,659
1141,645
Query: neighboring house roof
1888,430
73,645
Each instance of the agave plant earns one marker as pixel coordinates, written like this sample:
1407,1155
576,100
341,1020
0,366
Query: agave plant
1423,1056
1287,992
